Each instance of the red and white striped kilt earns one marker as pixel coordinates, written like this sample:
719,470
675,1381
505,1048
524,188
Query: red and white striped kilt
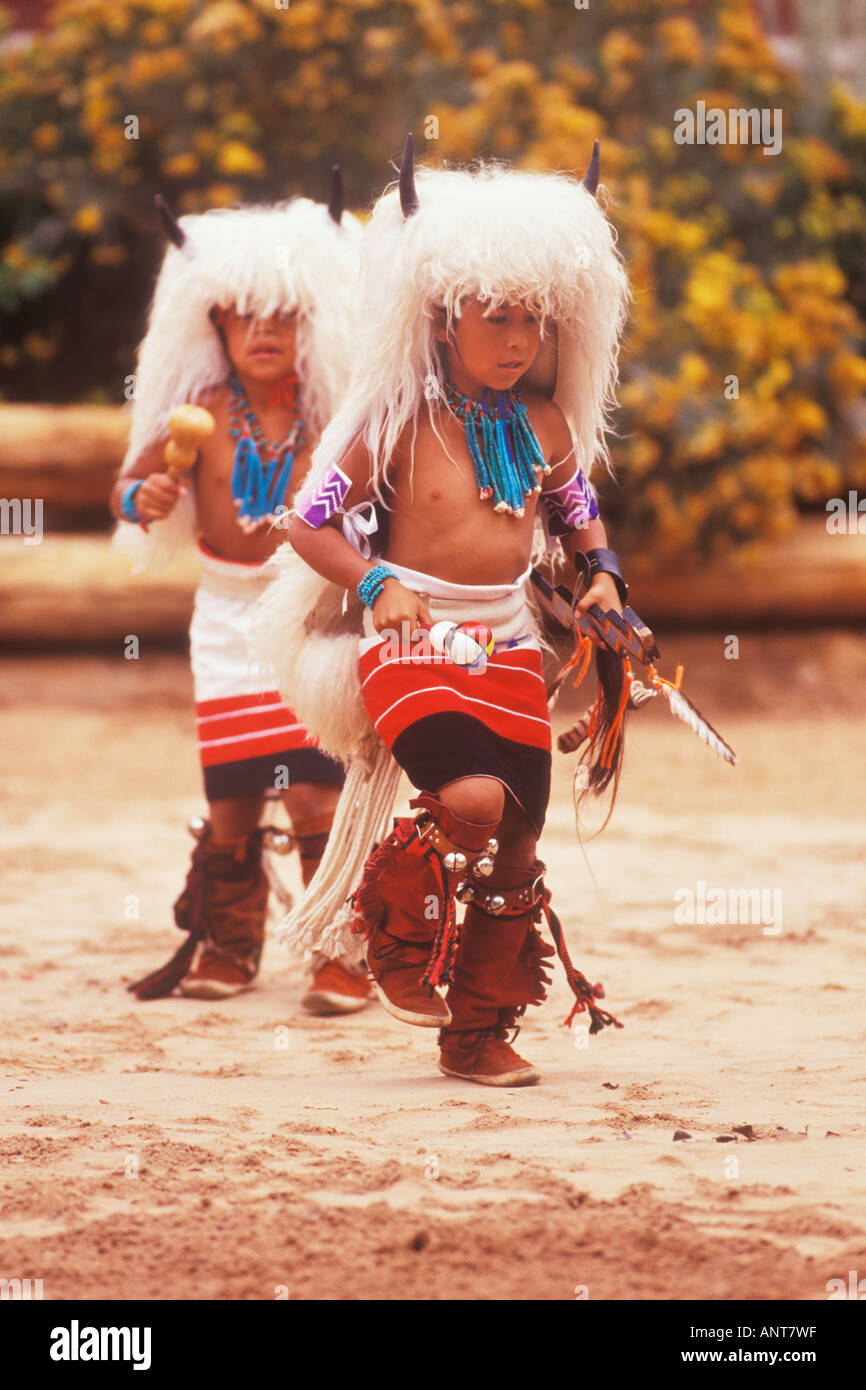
246,734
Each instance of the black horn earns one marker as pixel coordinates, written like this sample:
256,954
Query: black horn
408,195
173,229
590,178
335,202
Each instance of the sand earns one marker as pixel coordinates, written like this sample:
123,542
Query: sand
180,1149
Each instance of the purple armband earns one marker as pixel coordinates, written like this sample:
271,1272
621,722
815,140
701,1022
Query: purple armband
326,499
570,507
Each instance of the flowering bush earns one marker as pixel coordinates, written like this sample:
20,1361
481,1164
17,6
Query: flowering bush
743,371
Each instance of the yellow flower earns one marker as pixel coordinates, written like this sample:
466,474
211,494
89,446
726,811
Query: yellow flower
238,158
848,374
380,40
108,255
643,454
682,40
618,49
180,166
16,257
147,68
808,415
852,111
88,220
694,370
57,194
206,141
46,137
224,25
154,32
38,347
219,195
707,441
338,26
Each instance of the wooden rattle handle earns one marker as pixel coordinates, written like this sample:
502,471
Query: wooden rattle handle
188,427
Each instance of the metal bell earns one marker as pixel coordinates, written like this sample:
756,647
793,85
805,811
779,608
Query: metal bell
484,866
464,892
454,861
276,840
493,846
494,904
197,826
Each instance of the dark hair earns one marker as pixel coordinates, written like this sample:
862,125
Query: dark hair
603,755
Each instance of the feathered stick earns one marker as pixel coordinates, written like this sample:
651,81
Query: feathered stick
629,638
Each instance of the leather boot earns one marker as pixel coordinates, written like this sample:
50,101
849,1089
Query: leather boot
222,908
311,837
406,908
499,971
334,987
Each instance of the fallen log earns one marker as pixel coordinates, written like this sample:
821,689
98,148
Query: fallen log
75,590
68,455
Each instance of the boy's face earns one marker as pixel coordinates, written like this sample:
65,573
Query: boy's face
493,344
263,349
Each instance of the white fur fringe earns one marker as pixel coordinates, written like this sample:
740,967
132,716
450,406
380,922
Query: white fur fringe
302,635
321,922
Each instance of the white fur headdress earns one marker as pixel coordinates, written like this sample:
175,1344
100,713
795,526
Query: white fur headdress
504,235
290,256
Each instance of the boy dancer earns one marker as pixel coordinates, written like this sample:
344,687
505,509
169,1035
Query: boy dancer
461,279
252,319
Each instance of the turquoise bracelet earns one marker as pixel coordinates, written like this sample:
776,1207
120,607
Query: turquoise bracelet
128,509
373,583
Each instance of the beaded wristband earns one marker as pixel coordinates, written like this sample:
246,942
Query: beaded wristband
373,583
128,509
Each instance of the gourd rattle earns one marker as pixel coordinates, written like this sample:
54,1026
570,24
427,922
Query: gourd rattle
188,426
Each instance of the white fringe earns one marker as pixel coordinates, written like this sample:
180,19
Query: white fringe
162,542
321,922
302,635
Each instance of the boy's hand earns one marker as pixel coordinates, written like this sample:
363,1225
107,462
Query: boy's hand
158,496
602,591
397,605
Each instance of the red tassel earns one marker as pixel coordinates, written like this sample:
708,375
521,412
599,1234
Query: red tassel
584,993
440,967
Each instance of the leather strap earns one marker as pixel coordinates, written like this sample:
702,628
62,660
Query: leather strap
506,902
603,561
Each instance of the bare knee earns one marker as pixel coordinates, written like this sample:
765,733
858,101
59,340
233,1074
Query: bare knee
480,800
306,801
518,844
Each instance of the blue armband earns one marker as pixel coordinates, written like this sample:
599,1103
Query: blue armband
128,509
373,583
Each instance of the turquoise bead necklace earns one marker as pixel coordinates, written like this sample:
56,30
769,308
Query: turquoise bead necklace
503,446
261,469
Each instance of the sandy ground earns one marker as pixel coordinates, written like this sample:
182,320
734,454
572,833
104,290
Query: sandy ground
187,1150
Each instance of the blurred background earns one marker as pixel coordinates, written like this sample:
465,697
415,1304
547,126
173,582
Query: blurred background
743,375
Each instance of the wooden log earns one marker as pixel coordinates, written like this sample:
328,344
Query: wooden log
809,576
75,589
66,454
